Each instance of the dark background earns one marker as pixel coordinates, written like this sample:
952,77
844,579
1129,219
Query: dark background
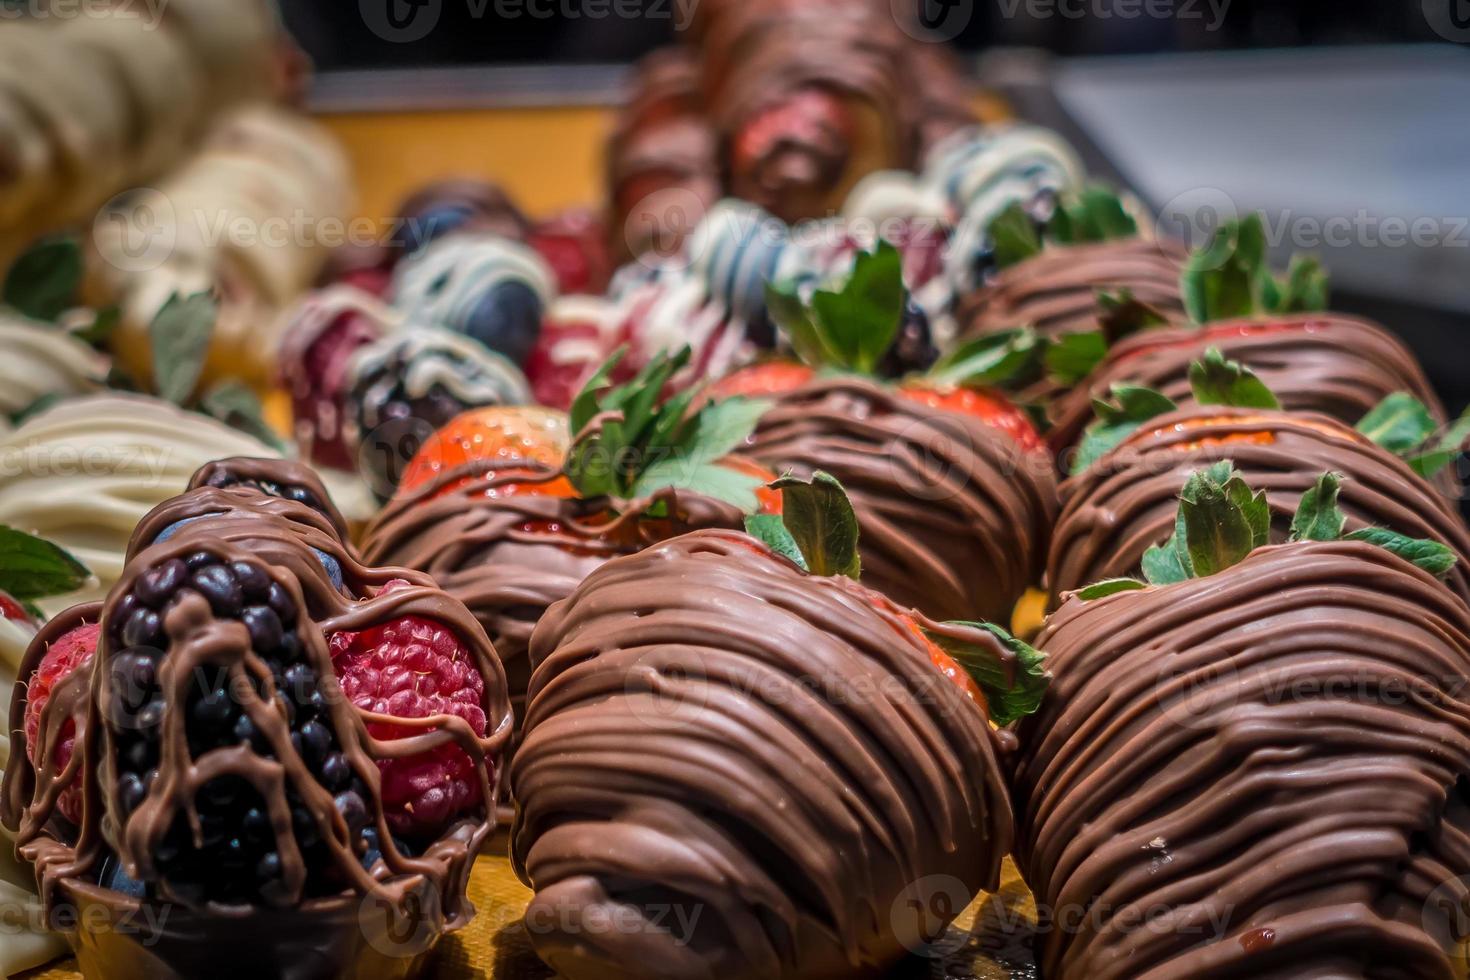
469,33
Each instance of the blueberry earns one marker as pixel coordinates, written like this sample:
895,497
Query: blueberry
199,559
114,878
158,585
139,756
299,682
421,229
264,626
151,714
333,567
507,319
173,528
256,824
221,588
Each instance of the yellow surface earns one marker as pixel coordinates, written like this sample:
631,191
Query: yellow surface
547,158
988,942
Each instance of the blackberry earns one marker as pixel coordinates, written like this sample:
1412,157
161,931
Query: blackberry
235,861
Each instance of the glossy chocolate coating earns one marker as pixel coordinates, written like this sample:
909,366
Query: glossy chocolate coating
1056,291
1260,774
1317,362
954,516
509,556
285,539
770,754
1126,501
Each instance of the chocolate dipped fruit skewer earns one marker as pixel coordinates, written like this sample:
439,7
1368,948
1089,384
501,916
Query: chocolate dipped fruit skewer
953,487
509,509
729,726
245,755
1132,464
1314,361
1255,765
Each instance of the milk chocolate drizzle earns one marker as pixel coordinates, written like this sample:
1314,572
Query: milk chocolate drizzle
1264,773
710,728
1317,362
1127,500
1056,291
954,516
278,535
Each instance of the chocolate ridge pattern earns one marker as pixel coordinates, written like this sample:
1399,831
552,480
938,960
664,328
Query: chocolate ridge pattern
1264,773
954,516
1127,500
711,728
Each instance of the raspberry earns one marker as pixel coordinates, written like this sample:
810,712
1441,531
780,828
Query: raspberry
234,860
414,667
70,651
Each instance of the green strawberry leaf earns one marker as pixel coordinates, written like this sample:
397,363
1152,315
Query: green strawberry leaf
1446,449
1400,423
1109,586
1013,236
585,405
709,479
180,336
44,280
1004,359
645,443
104,324
795,319
41,404
1230,278
1224,520
1318,517
1120,314
1433,557
1304,289
239,406
1071,357
1096,214
1132,406
1220,520
1216,381
860,321
822,522
33,568
770,529
1013,686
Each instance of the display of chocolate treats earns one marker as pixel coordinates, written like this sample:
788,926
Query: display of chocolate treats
907,560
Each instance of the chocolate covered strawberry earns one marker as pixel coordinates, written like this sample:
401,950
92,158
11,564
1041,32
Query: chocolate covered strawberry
744,696
951,482
853,330
509,509
1314,361
1255,738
